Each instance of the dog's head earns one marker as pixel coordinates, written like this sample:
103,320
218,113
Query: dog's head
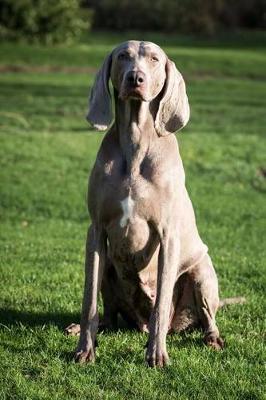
140,71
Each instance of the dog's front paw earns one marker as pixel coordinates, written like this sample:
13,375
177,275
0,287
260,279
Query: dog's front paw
156,356
86,350
85,355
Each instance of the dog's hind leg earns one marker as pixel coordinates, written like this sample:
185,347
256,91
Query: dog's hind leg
207,301
110,302
185,315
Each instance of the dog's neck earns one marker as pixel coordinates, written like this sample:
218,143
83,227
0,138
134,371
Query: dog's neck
134,124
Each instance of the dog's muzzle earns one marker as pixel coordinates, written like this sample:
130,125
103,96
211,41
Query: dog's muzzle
135,84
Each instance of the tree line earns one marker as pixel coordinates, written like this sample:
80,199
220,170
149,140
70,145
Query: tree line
51,21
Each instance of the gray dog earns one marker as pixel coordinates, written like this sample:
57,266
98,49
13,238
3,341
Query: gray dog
143,250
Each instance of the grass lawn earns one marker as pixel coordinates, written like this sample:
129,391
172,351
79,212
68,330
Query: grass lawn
46,152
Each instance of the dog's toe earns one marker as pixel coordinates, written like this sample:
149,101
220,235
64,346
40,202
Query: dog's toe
72,330
214,342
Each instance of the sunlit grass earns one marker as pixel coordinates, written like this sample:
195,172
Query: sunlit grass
46,152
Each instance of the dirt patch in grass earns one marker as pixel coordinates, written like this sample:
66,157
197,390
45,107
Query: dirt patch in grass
46,68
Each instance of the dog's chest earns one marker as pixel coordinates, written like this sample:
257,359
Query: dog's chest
128,195
130,235
127,208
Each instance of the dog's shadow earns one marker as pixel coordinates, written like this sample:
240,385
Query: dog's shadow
11,319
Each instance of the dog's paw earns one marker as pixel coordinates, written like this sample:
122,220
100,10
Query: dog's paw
156,357
86,350
214,342
84,356
72,330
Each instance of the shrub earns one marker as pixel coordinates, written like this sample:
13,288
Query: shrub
190,16
46,21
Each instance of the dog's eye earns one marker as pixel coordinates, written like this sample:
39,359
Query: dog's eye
154,59
123,56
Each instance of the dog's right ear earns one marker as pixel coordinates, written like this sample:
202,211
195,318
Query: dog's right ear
100,105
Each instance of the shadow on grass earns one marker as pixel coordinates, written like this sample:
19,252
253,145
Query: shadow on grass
10,318
29,319
127,352
223,40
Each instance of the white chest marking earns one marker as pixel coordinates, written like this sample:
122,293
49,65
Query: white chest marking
127,206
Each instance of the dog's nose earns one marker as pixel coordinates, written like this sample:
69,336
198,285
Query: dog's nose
135,78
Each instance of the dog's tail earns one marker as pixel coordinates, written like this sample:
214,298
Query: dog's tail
231,300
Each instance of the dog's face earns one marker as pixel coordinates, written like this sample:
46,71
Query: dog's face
138,70
142,71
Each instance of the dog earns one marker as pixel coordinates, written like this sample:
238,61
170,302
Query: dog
143,250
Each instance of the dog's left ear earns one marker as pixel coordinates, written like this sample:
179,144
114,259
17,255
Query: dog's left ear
100,105
173,111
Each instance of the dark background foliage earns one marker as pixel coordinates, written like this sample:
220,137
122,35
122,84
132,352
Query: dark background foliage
189,16
44,21
64,20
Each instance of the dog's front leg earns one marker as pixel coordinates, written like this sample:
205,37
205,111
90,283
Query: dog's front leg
94,264
156,354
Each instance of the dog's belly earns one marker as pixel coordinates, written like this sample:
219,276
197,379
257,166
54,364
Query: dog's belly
133,251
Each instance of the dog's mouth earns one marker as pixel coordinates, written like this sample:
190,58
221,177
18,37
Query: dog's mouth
135,93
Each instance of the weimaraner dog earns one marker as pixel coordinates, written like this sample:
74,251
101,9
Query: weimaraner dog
143,250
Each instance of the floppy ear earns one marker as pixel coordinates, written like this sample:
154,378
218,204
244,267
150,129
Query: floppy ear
100,106
173,111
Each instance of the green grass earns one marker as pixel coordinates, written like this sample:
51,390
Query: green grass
46,152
